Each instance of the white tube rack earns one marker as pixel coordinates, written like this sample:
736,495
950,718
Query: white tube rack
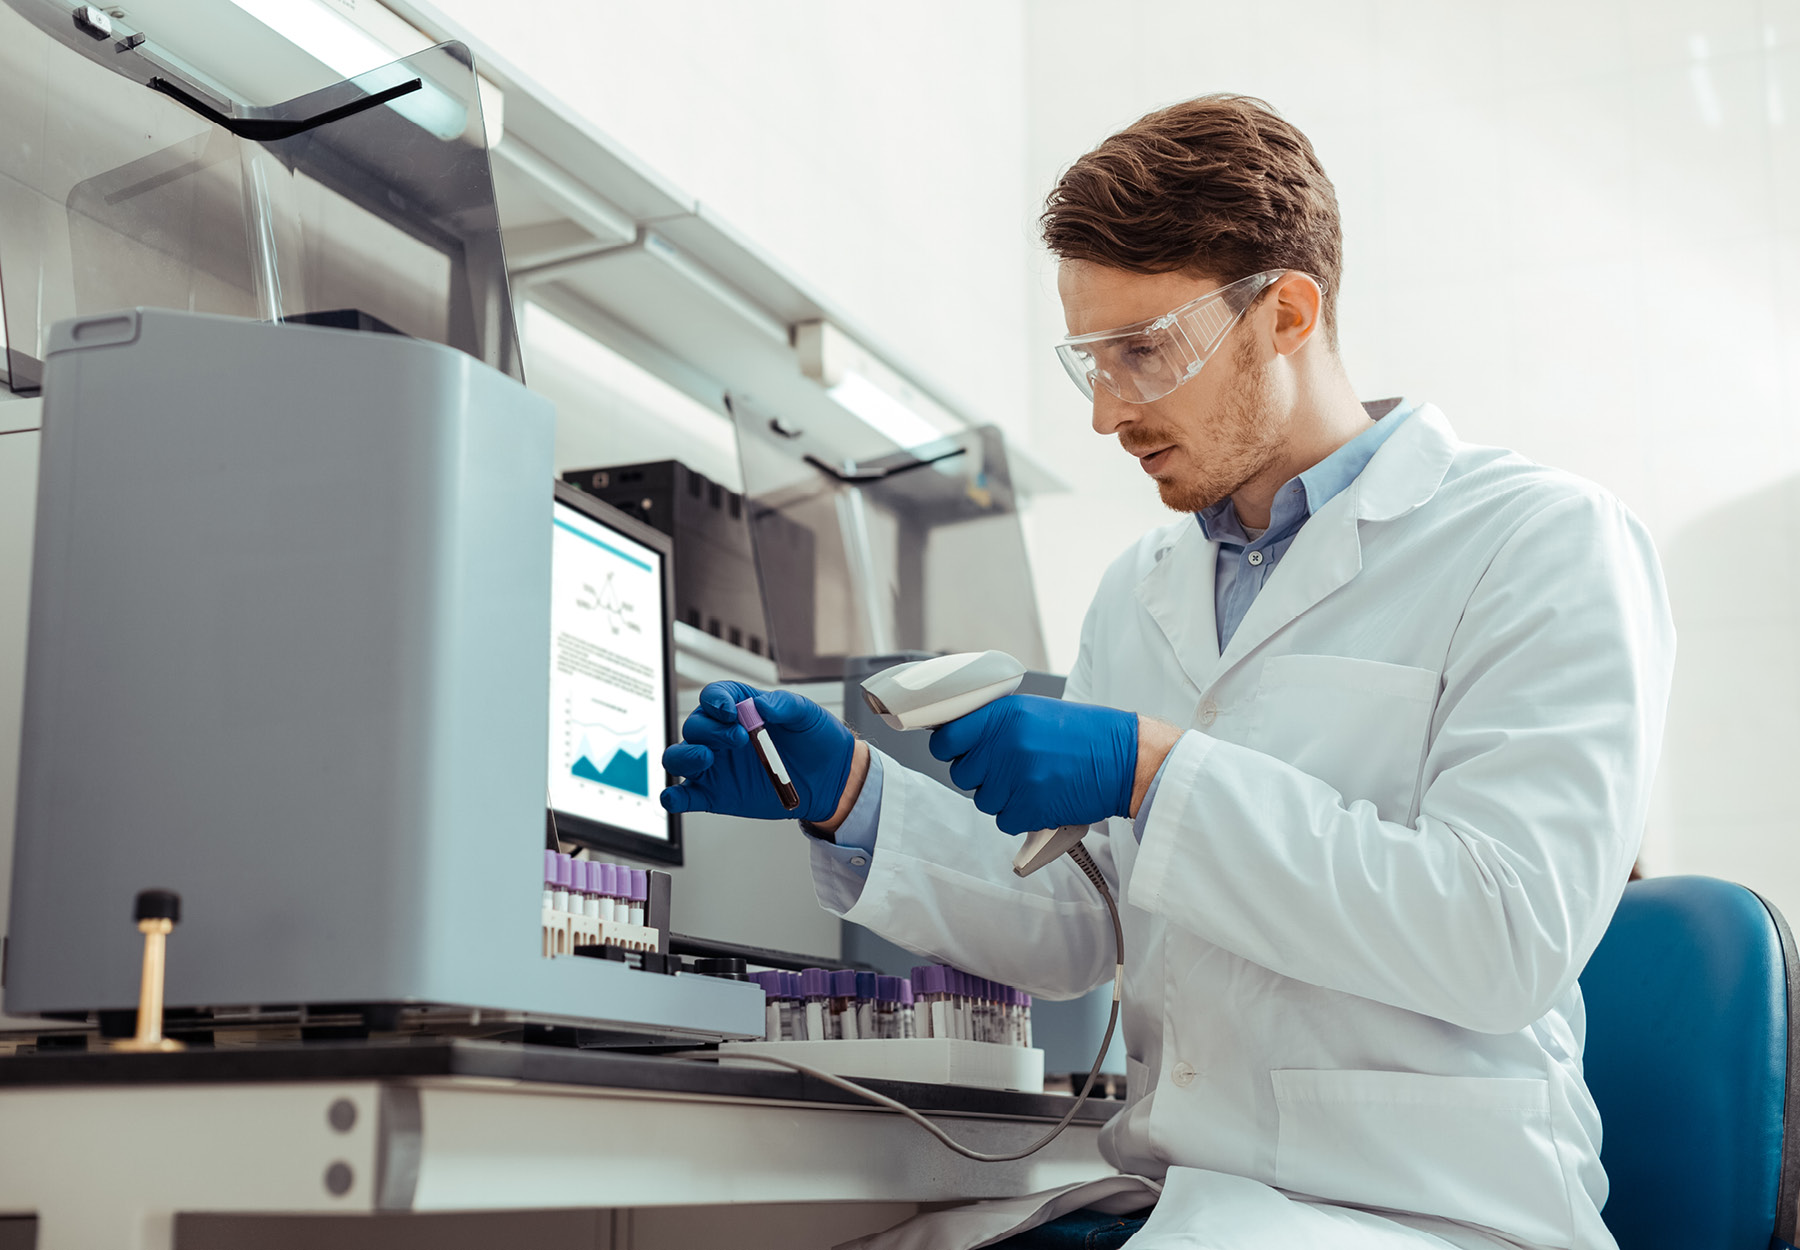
929,1060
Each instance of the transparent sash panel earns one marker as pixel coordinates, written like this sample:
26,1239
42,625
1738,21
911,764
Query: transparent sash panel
918,550
126,178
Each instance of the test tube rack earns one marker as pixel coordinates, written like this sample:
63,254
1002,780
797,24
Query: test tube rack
932,1060
591,904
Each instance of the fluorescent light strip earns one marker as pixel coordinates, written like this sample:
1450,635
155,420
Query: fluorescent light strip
882,412
345,48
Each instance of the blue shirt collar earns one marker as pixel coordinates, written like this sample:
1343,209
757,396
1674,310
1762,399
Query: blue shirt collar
1304,494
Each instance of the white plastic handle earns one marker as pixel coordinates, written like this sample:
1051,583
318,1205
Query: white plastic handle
1044,846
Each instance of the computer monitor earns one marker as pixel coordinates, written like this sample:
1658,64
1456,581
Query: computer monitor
612,679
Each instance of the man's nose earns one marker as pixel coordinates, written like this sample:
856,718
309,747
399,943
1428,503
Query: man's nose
1110,412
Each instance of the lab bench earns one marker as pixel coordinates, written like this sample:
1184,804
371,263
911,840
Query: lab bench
360,1143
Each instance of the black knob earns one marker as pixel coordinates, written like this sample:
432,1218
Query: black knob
158,905
731,968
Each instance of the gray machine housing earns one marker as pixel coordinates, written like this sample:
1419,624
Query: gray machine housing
289,657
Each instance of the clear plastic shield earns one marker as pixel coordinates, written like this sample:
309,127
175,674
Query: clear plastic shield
365,203
919,550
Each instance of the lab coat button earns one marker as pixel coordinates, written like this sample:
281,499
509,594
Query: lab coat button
1255,558
858,860
1183,1074
1209,712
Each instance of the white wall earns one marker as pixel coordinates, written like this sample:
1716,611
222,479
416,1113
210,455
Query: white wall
1572,227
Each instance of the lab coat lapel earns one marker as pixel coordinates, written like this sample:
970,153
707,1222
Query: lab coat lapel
1327,552
1178,595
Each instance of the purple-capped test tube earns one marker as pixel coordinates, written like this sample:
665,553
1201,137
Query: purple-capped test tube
793,1009
549,878
932,992
843,1004
766,754
868,985
639,892
565,875
578,887
957,985
909,1026
815,989
886,1013
609,892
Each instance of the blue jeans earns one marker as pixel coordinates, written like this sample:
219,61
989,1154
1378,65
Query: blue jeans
1078,1230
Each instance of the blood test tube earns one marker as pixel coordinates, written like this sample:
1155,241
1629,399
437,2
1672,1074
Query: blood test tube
866,985
793,1009
752,721
843,1004
815,989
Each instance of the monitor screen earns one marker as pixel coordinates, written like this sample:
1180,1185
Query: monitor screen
611,679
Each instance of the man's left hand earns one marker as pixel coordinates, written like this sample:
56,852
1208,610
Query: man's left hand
1037,763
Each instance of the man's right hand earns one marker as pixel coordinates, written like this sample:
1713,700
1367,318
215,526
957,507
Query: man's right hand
720,770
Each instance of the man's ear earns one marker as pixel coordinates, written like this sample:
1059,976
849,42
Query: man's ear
1299,306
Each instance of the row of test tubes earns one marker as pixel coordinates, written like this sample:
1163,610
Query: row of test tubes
951,1003
818,1004
585,887
612,894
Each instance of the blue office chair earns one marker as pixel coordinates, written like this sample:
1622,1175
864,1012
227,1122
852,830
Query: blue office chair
1689,1055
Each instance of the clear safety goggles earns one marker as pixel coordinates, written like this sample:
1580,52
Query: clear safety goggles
1148,359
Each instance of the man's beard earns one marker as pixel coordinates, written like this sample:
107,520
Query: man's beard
1242,443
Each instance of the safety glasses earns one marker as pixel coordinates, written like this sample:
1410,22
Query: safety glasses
1148,359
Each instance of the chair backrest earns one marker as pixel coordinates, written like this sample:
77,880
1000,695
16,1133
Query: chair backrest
1689,1054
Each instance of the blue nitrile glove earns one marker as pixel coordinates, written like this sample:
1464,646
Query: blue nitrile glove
1037,763
721,769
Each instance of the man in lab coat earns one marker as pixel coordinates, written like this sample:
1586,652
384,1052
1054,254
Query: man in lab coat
1364,737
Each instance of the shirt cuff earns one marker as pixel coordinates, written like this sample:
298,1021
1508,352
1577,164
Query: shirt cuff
840,870
1143,816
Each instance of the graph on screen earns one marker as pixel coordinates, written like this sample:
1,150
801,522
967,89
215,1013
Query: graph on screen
609,756
608,712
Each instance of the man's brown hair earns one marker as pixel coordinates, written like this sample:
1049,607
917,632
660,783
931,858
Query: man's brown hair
1221,187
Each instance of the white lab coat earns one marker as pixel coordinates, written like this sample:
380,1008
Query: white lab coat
1410,796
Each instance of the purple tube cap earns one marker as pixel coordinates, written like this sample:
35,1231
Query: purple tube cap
790,985
565,870
935,981
640,885
748,716
770,982
549,867
867,984
906,993
815,983
843,983
581,874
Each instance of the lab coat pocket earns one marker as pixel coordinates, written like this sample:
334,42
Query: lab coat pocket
1477,1149
1360,726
